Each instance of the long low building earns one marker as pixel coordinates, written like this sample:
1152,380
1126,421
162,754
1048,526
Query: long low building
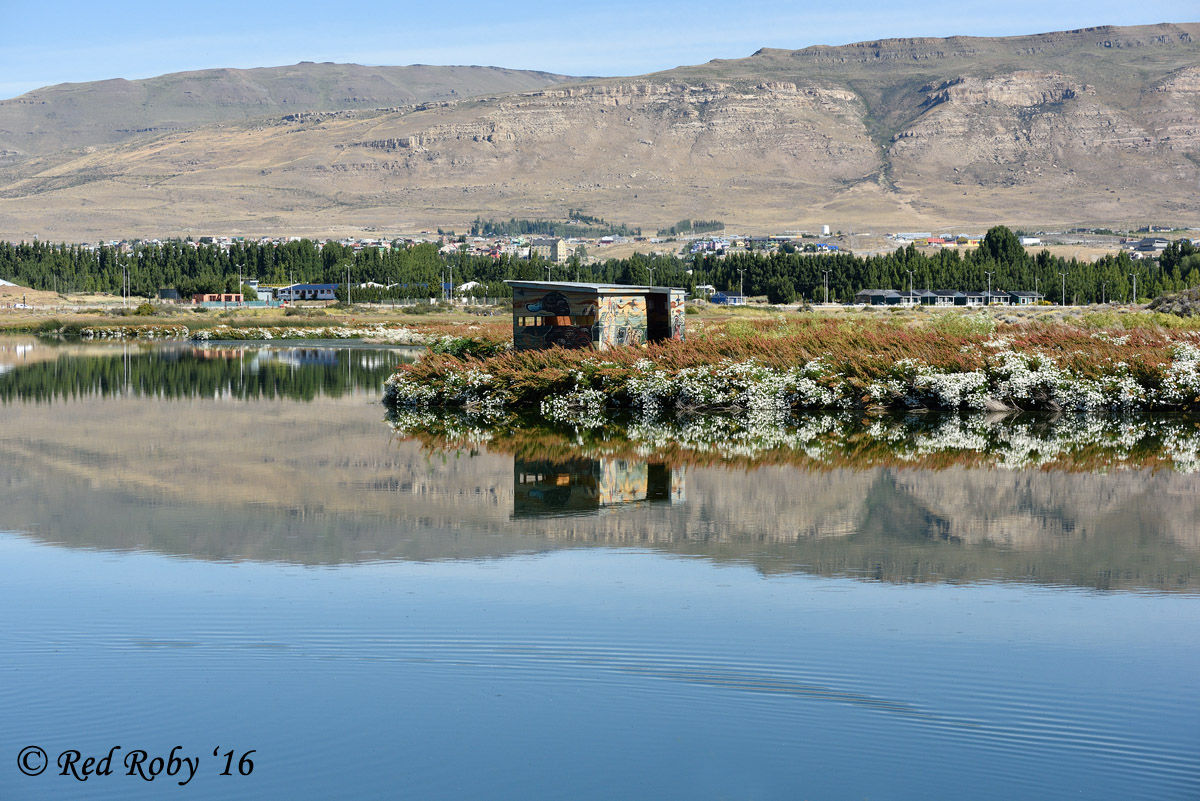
945,297
307,292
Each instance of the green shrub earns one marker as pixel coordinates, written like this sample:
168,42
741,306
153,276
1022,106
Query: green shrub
420,308
145,310
468,346
72,331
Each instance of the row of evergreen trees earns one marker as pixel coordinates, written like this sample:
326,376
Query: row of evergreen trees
422,272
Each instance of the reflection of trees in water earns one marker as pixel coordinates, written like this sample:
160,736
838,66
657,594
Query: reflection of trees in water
295,373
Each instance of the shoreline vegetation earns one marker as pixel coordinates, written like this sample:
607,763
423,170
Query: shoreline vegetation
781,365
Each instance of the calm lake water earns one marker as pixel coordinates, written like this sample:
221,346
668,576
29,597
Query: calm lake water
231,548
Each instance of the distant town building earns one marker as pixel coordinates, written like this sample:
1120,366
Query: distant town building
307,292
945,297
1151,244
550,248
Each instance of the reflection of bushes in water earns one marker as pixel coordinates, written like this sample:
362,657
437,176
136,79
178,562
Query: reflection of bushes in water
1076,443
299,374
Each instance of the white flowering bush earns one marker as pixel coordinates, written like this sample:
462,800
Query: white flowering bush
1007,379
583,407
1025,379
380,333
401,390
1181,383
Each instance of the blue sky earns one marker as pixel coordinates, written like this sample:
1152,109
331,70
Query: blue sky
57,42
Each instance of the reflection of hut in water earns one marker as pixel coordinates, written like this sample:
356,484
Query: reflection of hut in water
543,488
571,315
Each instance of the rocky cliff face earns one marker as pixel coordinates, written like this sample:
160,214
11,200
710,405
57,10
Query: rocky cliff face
1096,126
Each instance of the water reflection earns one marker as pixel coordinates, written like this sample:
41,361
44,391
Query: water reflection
40,372
558,487
193,452
1075,443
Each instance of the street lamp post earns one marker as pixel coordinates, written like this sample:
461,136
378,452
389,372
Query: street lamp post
989,274
742,282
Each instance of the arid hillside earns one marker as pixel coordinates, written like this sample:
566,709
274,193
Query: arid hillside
82,115
1098,126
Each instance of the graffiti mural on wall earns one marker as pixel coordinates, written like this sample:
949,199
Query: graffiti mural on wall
569,319
622,320
546,320
677,316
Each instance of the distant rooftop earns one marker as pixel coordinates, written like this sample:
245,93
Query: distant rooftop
574,286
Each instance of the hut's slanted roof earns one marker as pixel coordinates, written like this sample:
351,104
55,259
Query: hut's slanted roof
599,289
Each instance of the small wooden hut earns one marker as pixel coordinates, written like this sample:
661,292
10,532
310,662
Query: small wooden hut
600,316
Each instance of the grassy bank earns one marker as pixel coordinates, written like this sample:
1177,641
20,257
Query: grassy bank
781,363
369,324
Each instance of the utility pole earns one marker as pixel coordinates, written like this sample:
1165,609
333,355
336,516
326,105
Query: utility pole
911,299
1134,277
347,284
742,282
1103,291
826,272
989,274
1064,288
